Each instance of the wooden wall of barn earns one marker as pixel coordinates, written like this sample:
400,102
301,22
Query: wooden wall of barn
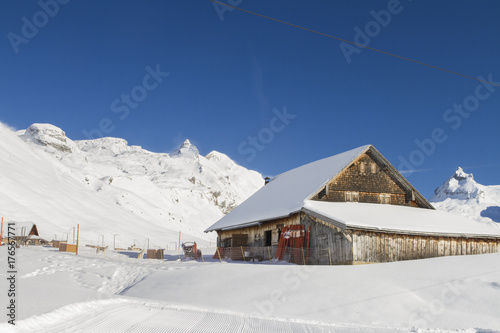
256,234
371,247
328,245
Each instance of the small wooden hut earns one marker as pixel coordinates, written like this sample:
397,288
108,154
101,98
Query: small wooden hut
27,234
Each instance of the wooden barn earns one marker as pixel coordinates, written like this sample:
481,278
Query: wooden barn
351,208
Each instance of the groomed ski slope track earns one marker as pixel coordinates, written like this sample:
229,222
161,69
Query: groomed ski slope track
59,292
131,316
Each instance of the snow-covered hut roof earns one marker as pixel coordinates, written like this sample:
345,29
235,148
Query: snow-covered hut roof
35,237
398,219
286,193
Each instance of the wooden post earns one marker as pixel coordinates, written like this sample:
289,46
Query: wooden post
308,237
179,248
303,256
329,256
269,252
77,237
219,254
242,253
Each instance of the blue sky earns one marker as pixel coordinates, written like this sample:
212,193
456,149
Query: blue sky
271,96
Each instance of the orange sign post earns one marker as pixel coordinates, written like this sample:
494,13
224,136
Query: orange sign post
77,237
1,233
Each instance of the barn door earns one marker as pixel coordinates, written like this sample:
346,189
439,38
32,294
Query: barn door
268,237
292,244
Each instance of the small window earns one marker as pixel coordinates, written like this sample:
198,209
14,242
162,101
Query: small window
373,167
362,168
384,198
239,240
352,196
227,242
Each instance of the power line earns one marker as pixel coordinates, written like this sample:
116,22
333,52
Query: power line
353,43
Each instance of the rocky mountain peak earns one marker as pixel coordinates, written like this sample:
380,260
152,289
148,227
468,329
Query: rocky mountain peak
49,135
460,185
187,149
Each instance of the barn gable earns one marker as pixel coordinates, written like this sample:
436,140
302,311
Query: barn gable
371,179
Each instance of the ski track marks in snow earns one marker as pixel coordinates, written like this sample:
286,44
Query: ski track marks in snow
114,274
125,315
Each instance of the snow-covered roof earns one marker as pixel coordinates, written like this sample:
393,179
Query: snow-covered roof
286,193
400,219
34,237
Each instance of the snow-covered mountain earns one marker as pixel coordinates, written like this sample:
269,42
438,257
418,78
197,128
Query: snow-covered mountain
461,194
112,188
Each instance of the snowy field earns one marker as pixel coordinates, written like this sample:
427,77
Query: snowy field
61,292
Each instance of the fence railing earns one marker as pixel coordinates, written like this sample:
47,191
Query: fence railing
299,256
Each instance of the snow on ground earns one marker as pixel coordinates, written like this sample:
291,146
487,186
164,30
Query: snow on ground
61,292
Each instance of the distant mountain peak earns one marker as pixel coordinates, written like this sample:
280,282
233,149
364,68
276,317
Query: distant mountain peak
461,175
217,156
187,149
49,135
462,195
459,186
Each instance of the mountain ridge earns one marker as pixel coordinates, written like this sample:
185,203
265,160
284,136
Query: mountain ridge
182,191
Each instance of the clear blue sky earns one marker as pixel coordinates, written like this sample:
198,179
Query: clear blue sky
76,69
